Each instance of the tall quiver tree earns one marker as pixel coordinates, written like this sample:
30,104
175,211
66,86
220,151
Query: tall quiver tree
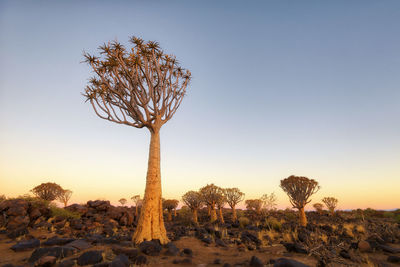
221,201
139,87
136,199
170,205
299,189
194,201
210,195
65,196
233,197
330,203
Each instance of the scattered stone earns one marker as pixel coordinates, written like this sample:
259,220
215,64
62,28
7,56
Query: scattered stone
132,253
256,262
220,243
283,262
364,246
79,244
26,245
120,261
58,252
295,247
150,248
217,261
90,257
57,241
172,250
187,252
207,240
388,249
17,232
141,260
345,254
67,263
393,259
46,261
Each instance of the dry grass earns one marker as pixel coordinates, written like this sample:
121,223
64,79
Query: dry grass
349,228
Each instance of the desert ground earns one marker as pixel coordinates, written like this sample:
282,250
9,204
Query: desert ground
97,233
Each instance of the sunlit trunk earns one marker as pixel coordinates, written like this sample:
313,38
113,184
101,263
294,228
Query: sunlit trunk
169,215
195,216
234,216
221,217
209,210
332,212
302,217
213,214
151,222
136,210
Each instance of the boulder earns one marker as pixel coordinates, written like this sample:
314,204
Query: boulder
16,211
393,259
79,244
22,230
26,245
46,261
256,262
90,257
364,246
132,253
17,222
58,252
141,260
120,261
172,250
151,248
283,262
57,241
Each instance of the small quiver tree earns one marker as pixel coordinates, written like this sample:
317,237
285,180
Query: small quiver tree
254,205
318,207
65,196
220,205
170,205
233,197
330,203
140,87
210,195
299,189
136,199
48,191
194,201
122,201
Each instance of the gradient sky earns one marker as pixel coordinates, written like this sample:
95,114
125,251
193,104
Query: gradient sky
309,88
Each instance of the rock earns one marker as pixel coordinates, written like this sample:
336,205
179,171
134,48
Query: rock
256,262
207,240
67,263
16,211
79,244
57,241
388,249
17,222
90,257
141,260
217,261
364,246
26,245
34,214
283,262
393,259
295,247
46,261
132,253
120,261
172,250
187,252
220,243
248,237
58,252
345,254
150,248
17,232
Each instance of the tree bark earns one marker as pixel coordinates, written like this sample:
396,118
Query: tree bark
169,215
221,217
302,217
151,222
195,217
213,214
234,216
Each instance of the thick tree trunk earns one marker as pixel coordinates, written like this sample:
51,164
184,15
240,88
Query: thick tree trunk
195,216
136,211
234,216
221,217
332,212
213,214
174,212
302,216
209,210
151,222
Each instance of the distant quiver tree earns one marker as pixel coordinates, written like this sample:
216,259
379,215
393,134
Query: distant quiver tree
211,195
48,191
318,207
194,201
233,197
65,196
136,199
122,201
299,189
140,87
330,203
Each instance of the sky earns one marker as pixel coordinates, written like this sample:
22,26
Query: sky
279,88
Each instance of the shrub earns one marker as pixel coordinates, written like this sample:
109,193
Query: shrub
59,212
243,222
274,224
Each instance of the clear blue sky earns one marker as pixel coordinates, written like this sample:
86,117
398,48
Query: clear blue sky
310,88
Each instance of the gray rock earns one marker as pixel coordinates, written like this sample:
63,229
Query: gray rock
283,262
151,248
26,245
90,257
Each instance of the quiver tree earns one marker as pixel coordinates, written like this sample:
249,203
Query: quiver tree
122,201
268,202
194,201
330,203
254,205
170,205
65,196
48,191
221,201
140,87
211,195
299,189
136,199
233,197
318,207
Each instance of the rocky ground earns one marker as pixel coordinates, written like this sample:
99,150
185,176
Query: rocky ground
98,234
